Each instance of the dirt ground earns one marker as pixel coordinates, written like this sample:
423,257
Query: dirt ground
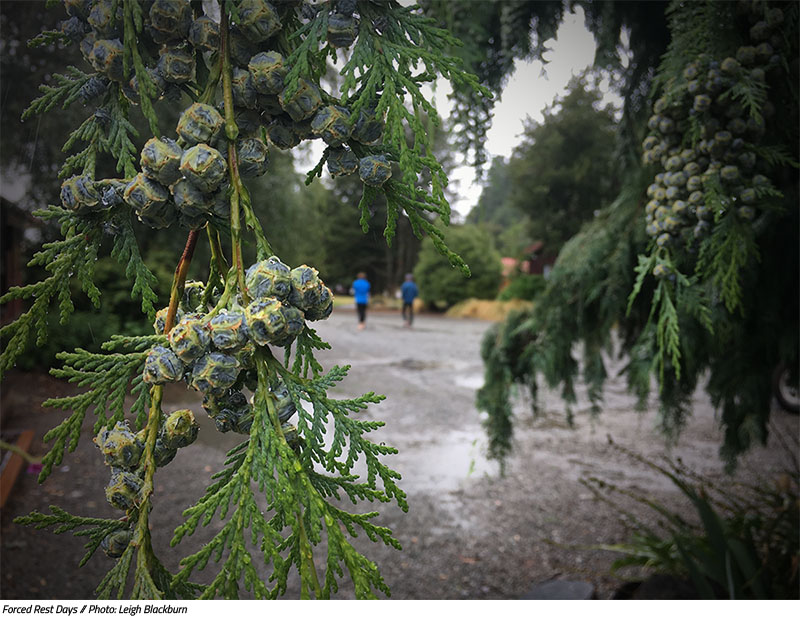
469,533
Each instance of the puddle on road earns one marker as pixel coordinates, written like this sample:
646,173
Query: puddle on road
472,382
438,467
443,463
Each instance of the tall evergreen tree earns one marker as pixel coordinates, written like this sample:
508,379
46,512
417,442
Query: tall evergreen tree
509,228
696,284
564,170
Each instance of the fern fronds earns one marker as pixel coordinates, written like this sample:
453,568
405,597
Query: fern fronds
49,37
347,432
305,58
234,487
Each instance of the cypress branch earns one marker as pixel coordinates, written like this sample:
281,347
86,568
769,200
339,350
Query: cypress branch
125,249
67,90
107,375
62,521
396,53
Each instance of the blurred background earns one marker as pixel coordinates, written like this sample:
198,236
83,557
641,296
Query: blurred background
535,171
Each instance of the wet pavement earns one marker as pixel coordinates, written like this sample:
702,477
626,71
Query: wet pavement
469,533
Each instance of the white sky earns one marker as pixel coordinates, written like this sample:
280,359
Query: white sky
529,90
526,94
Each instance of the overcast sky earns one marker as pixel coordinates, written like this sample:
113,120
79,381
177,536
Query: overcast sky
529,90
527,94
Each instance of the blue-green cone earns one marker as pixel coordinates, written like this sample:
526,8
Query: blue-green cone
119,446
269,278
374,170
190,338
265,320
161,159
162,366
200,122
268,72
215,372
123,490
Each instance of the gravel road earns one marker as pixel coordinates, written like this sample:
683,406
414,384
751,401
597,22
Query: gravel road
469,533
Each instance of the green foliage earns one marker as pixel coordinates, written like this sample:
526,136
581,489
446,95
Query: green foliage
348,250
66,92
439,283
508,226
303,506
504,350
564,170
523,286
721,305
73,256
382,73
730,248
108,376
126,249
586,293
71,264
742,544
105,131
280,494
95,529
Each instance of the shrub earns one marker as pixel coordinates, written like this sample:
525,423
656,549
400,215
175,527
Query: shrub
523,286
744,542
440,283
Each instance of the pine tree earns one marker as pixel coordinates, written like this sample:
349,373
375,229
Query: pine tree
246,74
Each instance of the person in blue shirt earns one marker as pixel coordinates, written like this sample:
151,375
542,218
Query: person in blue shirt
360,290
409,292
